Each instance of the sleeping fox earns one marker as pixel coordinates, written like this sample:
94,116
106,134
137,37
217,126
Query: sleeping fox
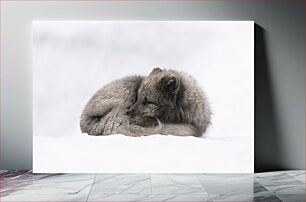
165,102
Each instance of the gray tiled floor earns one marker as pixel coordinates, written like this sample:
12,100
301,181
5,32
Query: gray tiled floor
273,186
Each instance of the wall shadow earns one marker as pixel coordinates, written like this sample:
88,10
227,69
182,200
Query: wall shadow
267,137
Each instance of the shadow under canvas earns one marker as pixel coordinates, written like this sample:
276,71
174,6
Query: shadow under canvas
267,135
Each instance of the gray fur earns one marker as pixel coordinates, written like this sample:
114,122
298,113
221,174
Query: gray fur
165,102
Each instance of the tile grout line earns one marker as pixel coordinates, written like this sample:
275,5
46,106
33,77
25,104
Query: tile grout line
150,174
274,194
91,188
294,176
209,197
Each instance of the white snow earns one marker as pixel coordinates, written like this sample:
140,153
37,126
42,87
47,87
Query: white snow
152,154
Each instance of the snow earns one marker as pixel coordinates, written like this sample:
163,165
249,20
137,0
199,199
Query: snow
151,154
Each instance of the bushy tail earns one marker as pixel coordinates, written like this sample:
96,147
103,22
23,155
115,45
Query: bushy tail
163,129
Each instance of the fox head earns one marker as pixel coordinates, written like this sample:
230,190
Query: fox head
157,94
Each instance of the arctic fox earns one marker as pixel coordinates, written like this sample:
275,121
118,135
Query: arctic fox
164,102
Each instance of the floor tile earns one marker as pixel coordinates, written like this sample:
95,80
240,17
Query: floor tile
243,188
219,184
224,178
150,197
3,171
278,175
115,198
286,188
244,198
282,184
298,175
42,198
177,198
291,197
15,174
46,184
176,184
111,184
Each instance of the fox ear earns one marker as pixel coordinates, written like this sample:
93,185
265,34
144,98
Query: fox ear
156,70
169,83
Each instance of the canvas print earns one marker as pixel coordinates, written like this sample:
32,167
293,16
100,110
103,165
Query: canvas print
143,96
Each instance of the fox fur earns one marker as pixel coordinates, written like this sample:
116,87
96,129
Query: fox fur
164,102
